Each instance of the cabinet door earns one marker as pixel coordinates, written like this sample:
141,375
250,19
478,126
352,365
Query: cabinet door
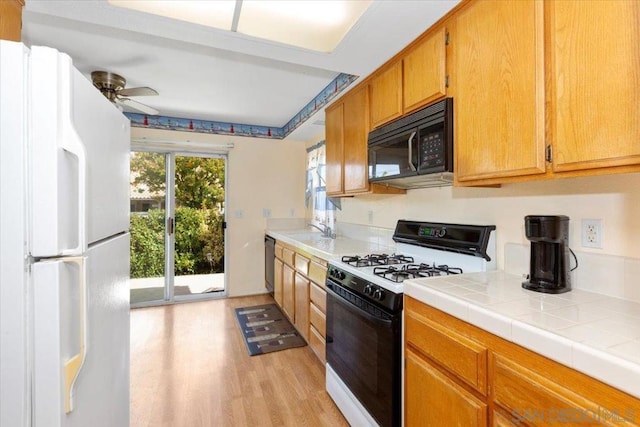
11,19
277,281
424,72
302,305
433,399
334,136
386,95
356,132
497,83
595,58
288,292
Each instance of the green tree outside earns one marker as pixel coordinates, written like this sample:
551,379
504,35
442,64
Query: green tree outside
198,223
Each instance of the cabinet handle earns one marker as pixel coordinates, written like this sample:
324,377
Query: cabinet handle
411,165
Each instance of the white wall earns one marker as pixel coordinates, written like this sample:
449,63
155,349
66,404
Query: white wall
615,199
262,173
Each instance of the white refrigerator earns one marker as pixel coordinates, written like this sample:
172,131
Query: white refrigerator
64,252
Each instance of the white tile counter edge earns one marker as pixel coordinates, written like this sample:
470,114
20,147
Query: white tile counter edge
606,367
296,243
343,246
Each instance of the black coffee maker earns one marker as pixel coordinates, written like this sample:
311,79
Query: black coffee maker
549,268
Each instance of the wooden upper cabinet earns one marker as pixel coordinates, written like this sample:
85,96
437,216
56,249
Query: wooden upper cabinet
11,19
346,134
356,132
334,136
386,95
595,83
424,72
497,83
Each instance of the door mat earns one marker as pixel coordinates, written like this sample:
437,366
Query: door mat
265,329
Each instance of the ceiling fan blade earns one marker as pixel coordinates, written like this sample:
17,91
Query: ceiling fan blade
138,106
138,91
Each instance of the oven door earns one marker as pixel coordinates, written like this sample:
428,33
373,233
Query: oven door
363,348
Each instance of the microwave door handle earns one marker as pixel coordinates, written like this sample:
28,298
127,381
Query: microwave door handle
409,141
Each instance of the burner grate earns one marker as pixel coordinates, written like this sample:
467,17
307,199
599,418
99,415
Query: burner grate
412,271
373,260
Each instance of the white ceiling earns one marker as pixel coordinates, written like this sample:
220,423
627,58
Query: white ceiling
209,74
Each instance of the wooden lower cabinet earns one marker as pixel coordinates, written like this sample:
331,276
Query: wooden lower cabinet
433,399
318,344
299,291
288,292
277,281
318,320
302,305
523,388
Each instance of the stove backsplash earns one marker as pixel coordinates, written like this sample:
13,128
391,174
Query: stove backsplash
610,275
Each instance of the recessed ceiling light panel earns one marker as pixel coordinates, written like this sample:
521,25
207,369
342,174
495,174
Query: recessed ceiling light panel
311,24
217,14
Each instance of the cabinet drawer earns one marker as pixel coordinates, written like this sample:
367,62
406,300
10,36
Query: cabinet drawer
318,320
461,356
319,297
317,344
532,398
317,273
287,256
279,251
302,264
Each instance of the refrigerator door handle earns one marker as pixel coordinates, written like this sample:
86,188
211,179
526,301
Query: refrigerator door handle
72,143
73,366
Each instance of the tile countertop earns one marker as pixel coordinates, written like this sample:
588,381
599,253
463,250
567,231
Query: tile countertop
592,333
323,247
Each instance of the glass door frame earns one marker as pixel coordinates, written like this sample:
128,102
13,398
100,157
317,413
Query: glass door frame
169,241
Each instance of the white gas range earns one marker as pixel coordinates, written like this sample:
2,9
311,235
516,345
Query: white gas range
364,311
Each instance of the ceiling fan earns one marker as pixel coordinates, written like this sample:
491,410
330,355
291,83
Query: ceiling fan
112,86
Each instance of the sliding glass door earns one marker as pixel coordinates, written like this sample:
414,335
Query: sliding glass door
177,227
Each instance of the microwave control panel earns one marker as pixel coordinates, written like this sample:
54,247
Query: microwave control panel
432,150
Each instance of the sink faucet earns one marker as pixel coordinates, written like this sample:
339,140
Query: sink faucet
326,231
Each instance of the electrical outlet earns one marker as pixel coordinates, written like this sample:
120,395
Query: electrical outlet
266,212
592,233
239,214
292,212
370,216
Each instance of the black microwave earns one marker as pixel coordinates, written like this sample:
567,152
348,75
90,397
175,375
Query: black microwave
416,150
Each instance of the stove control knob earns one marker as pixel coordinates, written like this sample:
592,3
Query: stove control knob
341,275
379,294
368,290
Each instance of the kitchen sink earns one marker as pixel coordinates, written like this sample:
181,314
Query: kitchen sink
311,235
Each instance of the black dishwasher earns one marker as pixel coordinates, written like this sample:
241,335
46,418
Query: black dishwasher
269,258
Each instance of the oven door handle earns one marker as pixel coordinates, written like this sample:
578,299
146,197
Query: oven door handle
360,311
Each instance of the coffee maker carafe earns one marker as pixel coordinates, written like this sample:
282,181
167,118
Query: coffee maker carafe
549,266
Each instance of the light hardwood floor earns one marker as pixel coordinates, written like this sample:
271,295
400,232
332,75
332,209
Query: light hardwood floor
190,368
